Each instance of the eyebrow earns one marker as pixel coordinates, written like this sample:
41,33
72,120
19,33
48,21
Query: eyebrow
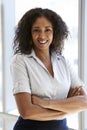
45,27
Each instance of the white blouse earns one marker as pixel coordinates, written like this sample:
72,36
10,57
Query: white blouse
30,75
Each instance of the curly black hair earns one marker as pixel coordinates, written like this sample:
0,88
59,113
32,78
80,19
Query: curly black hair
23,39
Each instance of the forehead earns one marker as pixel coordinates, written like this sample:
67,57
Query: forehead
42,21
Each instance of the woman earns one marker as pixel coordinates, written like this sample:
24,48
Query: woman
46,88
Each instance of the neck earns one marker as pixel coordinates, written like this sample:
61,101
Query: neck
42,55
45,57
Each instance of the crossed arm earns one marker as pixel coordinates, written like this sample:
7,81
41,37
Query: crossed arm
75,102
28,110
35,108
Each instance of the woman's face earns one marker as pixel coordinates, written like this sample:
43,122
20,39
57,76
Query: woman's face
42,33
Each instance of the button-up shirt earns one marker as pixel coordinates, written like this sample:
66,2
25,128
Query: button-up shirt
30,75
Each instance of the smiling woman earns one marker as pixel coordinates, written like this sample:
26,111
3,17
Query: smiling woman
20,7
38,39
38,43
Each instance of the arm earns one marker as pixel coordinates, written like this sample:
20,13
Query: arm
31,111
71,104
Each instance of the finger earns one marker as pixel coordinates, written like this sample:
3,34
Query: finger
74,90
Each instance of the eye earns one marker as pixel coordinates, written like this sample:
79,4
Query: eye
48,30
35,30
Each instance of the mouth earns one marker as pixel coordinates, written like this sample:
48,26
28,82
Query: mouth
42,41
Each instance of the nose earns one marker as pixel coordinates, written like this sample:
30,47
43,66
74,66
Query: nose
42,35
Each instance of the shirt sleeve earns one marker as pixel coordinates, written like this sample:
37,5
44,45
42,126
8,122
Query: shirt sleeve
19,74
74,78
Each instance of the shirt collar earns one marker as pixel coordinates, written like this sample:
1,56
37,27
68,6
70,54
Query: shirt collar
54,55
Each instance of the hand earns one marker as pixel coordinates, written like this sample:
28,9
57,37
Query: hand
76,91
82,91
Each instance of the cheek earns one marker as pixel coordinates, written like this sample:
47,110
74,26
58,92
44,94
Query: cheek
51,37
34,37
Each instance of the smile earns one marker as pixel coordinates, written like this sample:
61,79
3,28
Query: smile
42,41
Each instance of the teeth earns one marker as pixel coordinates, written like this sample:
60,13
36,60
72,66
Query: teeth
42,41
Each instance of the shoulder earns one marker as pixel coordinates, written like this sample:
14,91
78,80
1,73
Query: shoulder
60,57
21,60
63,60
17,58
